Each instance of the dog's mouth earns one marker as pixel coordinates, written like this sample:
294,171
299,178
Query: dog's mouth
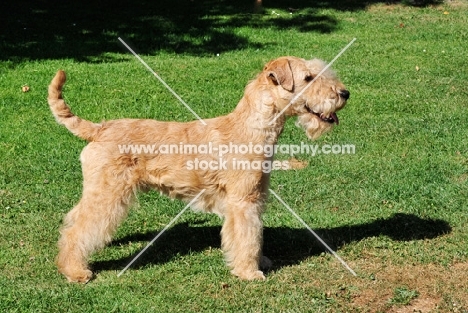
332,118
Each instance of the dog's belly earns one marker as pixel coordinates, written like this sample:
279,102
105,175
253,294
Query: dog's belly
179,182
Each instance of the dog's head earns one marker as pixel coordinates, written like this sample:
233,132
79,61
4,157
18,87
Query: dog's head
306,89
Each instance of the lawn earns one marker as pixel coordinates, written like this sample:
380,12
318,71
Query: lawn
396,210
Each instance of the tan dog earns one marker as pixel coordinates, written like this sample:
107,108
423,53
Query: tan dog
237,193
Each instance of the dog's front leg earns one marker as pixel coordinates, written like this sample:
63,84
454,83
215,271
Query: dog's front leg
241,236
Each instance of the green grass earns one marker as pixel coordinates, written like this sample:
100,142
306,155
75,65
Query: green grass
403,296
400,200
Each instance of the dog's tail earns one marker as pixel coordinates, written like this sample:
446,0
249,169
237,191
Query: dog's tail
79,127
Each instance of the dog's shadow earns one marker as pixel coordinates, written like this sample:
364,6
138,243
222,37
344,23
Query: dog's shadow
284,246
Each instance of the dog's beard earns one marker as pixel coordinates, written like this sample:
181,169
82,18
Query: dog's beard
313,125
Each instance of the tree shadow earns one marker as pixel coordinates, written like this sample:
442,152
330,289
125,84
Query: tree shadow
87,31
346,5
284,246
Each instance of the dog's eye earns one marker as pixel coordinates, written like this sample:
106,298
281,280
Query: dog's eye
308,78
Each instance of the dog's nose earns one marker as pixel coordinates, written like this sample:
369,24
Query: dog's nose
344,94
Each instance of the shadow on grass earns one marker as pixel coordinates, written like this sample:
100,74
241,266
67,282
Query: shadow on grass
284,246
88,30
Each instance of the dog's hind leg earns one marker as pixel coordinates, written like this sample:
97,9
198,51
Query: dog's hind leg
93,221
242,234
88,227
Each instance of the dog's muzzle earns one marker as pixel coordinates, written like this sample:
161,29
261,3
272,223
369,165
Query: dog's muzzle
332,118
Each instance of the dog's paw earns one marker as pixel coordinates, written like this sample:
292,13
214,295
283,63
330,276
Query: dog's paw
251,275
82,276
258,275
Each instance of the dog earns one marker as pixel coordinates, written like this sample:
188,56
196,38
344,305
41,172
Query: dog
287,86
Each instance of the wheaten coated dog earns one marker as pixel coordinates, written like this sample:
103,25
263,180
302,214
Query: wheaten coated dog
287,86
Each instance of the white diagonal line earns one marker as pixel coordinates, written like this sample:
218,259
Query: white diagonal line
309,84
161,232
162,81
315,234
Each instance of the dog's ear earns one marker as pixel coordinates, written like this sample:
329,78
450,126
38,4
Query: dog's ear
279,71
